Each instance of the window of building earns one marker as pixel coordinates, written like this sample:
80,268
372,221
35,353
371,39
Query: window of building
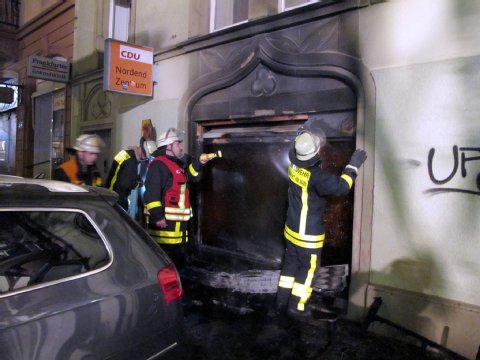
119,19
227,13
286,5
37,247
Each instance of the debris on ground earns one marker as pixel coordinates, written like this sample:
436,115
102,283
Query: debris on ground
220,332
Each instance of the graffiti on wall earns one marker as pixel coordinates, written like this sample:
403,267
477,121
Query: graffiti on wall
461,156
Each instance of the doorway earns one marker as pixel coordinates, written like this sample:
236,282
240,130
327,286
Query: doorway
8,131
242,199
49,133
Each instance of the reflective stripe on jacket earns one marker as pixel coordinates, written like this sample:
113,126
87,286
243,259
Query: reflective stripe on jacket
177,197
307,197
120,158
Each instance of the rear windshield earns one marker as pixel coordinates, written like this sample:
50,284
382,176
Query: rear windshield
37,247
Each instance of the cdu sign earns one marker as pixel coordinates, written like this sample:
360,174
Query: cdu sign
136,54
128,68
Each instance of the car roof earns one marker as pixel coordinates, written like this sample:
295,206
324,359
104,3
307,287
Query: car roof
20,188
51,185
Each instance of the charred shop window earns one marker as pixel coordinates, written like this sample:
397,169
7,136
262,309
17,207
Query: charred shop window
242,199
38,247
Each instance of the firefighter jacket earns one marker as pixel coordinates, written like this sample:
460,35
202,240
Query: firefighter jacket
308,189
166,187
74,172
123,176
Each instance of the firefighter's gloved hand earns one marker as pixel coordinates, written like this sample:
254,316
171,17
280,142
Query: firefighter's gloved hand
358,158
204,158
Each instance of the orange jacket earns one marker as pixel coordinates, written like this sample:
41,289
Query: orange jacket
70,168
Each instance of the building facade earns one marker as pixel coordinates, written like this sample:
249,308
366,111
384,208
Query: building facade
36,126
398,78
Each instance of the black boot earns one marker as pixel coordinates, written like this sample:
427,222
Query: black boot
311,315
305,315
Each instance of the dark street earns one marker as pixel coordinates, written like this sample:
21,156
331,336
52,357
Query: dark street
227,325
222,335
225,332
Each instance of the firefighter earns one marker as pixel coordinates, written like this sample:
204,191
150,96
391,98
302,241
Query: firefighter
123,176
308,189
166,196
82,170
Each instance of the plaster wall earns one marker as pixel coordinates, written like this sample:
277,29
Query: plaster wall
31,9
424,62
91,30
161,24
163,109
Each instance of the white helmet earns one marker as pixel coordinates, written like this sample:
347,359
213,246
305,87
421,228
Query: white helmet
89,142
168,137
307,145
149,147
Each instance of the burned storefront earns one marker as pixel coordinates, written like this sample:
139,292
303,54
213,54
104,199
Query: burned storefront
254,96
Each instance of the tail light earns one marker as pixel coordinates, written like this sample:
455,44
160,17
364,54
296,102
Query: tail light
170,283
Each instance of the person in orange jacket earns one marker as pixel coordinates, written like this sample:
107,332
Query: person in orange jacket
82,170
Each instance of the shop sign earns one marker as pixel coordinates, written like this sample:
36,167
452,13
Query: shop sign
128,68
40,67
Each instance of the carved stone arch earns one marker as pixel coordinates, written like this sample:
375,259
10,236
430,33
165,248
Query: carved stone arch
222,77
98,104
260,50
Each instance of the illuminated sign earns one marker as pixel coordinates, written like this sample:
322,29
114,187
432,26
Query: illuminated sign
40,67
128,68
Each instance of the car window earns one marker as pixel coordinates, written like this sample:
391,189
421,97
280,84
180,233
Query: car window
37,247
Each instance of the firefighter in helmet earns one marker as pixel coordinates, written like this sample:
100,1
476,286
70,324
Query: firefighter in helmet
308,189
166,196
82,170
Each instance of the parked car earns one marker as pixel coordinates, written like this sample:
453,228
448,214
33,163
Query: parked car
80,280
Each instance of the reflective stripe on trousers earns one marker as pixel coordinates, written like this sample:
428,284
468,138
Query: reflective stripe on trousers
296,278
174,233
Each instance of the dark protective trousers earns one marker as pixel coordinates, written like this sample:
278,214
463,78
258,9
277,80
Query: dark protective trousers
296,277
173,240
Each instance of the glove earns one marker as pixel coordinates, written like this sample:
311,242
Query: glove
358,158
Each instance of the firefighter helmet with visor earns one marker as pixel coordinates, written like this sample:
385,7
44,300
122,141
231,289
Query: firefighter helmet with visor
168,137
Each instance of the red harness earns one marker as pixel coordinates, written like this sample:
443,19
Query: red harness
177,197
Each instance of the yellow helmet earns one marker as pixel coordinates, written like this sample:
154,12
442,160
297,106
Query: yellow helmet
89,142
